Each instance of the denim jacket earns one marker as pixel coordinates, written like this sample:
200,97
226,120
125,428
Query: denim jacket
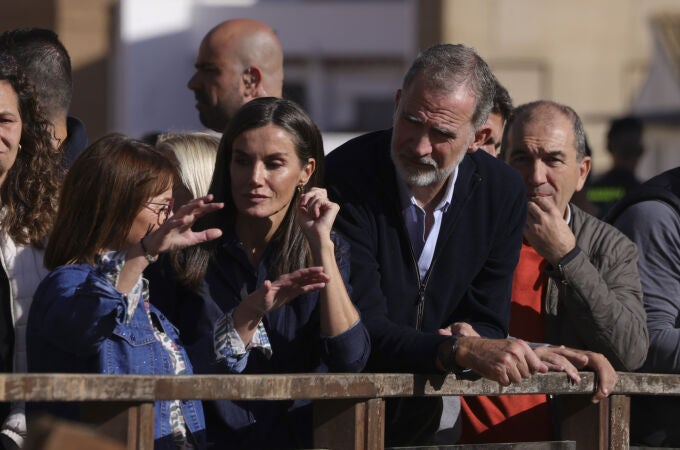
78,324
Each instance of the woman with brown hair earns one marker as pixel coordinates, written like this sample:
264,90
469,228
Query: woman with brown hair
29,181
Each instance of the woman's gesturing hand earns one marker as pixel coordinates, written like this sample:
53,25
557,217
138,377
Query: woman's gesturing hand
274,294
176,232
316,214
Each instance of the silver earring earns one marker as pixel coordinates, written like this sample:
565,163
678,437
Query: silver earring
19,147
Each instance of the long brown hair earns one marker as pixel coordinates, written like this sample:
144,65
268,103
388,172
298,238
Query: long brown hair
102,194
29,194
291,248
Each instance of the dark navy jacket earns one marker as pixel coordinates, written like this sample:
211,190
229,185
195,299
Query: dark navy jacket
76,141
294,334
77,325
470,277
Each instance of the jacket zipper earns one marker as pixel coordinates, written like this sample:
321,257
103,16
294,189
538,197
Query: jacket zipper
421,292
422,285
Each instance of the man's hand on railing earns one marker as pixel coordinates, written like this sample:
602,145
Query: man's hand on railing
555,358
570,360
503,360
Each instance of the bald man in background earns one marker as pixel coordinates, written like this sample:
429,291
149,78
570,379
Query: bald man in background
238,60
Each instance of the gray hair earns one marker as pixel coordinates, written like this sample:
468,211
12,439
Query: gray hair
448,66
528,111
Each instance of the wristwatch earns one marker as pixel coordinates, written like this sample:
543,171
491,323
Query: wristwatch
449,362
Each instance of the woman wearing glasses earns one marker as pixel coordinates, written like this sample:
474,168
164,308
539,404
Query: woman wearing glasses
276,219
92,312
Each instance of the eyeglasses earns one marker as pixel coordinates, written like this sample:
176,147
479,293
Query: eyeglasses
163,212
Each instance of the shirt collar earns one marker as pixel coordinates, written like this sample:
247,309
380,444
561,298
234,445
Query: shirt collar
407,199
567,216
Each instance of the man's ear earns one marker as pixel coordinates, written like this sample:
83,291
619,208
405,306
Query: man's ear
481,135
252,83
583,171
397,97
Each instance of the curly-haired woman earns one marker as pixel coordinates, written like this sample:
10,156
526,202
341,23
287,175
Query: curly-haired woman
30,175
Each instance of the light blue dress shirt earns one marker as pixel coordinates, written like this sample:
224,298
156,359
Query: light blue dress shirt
414,217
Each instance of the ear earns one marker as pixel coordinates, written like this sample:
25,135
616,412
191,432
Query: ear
307,170
583,171
252,83
481,135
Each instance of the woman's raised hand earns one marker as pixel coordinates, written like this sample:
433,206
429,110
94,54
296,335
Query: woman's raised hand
316,214
176,232
274,294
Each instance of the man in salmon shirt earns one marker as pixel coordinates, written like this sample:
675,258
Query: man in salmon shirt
576,283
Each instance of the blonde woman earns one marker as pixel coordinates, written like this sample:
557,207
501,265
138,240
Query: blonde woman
195,154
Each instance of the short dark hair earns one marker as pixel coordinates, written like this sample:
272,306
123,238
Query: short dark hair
624,138
46,63
502,102
526,112
447,66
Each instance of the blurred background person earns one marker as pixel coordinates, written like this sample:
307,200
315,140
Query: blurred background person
624,144
238,60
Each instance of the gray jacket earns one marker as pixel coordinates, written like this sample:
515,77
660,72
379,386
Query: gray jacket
594,299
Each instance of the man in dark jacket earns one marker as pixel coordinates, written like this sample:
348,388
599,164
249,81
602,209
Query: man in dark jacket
650,216
435,234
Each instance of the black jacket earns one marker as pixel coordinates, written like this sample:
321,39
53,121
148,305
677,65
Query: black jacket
471,274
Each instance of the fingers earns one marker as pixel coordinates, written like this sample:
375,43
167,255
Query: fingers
310,273
303,277
463,329
207,235
458,328
541,204
575,357
198,207
527,361
315,203
606,375
556,360
503,360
